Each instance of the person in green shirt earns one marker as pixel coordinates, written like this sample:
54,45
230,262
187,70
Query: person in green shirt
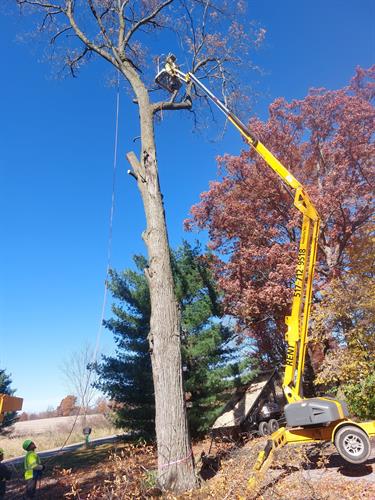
33,468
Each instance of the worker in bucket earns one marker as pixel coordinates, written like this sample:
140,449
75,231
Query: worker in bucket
33,468
5,474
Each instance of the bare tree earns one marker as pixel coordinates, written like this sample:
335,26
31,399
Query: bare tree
213,43
80,377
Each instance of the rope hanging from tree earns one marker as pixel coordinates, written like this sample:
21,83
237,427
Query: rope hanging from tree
108,265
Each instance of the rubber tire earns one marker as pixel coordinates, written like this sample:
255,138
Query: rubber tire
273,426
263,428
360,438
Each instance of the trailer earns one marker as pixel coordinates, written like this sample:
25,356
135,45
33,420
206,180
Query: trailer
256,408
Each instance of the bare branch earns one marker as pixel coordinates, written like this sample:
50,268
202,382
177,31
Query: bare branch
49,16
121,31
92,46
135,164
73,63
192,27
199,47
145,20
55,37
41,3
204,62
100,23
171,105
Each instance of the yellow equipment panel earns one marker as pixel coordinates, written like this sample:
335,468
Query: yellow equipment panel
9,403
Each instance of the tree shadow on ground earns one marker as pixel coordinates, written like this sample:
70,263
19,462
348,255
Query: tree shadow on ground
210,466
356,470
226,446
351,470
335,461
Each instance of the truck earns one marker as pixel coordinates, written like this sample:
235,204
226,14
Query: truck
256,408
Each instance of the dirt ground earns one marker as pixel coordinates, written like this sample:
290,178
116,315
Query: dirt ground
127,471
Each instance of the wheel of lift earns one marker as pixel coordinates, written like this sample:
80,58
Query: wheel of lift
353,444
263,429
273,425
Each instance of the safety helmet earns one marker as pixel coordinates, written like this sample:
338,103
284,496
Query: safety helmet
26,444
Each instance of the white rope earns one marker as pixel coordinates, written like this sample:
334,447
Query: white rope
109,255
109,248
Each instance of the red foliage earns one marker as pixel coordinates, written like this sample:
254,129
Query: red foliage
326,140
67,406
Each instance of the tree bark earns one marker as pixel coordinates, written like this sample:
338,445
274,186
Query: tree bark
175,459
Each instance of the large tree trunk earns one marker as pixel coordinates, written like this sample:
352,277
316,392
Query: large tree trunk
175,460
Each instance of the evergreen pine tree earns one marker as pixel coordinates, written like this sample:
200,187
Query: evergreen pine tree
127,377
211,359
213,362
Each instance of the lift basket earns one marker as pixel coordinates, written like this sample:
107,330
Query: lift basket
167,81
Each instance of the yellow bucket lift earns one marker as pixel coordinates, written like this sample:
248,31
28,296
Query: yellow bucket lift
308,419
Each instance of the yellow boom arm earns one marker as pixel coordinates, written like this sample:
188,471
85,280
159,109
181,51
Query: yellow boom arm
297,322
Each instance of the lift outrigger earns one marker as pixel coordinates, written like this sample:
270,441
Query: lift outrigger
308,419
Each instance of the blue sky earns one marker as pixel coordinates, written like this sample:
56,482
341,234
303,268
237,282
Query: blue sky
56,157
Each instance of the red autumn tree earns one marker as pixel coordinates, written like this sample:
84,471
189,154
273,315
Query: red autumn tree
326,141
67,406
